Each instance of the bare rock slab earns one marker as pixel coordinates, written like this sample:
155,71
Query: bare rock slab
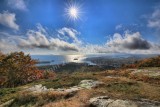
105,101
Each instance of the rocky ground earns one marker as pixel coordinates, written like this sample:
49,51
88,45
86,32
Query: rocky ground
112,88
105,101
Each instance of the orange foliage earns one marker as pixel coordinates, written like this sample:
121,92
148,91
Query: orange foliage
49,74
18,69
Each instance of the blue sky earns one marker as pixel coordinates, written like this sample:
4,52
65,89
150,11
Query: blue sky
102,26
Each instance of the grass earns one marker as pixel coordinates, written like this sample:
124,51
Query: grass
126,88
150,91
7,91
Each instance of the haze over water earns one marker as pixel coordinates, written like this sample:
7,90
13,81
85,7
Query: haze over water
61,59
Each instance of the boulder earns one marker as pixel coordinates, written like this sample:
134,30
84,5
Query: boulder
102,101
89,84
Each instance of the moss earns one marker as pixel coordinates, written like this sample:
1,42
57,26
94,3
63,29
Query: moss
7,94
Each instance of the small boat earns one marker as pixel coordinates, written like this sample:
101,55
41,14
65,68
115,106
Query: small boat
75,58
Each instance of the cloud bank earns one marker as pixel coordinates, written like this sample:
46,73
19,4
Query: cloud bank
66,40
40,39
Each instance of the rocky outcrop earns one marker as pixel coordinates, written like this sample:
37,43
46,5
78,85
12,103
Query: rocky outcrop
84,84
105,101
37,88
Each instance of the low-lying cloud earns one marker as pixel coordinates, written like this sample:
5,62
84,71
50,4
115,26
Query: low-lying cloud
35,39
40,39
127,43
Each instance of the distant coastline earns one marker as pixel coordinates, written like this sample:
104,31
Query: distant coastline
115,60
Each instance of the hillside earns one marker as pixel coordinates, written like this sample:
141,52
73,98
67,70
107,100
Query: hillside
124,87
148,62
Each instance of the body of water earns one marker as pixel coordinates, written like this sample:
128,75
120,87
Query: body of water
61,59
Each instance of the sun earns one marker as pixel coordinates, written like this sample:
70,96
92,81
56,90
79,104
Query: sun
73,11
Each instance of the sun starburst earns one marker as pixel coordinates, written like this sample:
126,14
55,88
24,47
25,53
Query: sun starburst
73,11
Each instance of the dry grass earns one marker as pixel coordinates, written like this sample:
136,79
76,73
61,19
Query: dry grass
145,78
64,103
38,99
79,100
128,73
150,91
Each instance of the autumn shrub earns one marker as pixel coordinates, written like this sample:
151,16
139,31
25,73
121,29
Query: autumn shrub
17,69
148,62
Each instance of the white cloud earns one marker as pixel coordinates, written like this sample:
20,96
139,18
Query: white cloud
17,4
64,33
129,41
154,20
8,19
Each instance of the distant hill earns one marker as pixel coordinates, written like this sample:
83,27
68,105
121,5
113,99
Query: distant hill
148,62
